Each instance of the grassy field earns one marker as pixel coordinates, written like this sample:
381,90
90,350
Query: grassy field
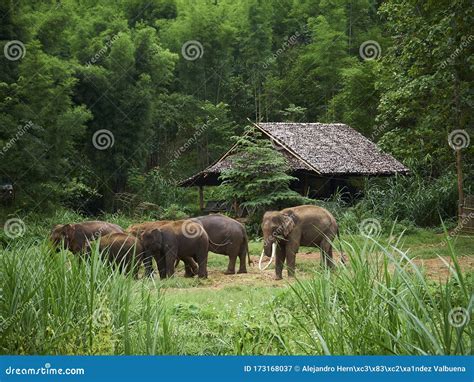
394,296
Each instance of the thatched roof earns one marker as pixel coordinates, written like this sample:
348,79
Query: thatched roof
325,149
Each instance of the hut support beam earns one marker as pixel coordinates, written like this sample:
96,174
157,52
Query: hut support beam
305,186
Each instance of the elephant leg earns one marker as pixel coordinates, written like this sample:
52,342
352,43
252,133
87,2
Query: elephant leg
201,257
171,257
132,264
231,266
326,254
132,267
148,263
190,267
243,259
161,264
279,261
291,250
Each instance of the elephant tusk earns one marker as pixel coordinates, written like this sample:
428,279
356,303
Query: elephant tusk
271,258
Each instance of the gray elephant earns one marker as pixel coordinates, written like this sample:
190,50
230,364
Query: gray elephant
226,236
178,240
77,236
124,250
284,231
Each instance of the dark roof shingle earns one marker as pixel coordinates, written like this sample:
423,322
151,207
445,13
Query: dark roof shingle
323,148
333,148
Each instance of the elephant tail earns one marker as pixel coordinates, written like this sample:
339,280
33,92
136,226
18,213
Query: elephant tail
245,247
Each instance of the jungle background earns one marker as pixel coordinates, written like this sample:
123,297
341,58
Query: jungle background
119,66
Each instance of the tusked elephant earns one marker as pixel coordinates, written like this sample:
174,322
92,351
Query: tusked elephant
122,249
171,241
284,231
226,236
77,236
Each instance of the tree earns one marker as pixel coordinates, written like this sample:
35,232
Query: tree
258,179
425,81
40,127
356,103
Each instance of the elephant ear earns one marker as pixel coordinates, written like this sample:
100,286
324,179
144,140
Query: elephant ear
152,239
289,221
75,237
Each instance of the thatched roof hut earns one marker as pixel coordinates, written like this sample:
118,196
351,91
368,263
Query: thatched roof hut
315,151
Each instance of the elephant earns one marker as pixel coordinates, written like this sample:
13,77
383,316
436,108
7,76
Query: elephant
171,241
122,249
76,236
226,236
284,231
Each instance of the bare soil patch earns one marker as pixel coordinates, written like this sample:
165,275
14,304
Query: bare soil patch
435,268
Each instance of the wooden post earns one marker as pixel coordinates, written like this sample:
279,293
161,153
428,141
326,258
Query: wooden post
305,185
460,188
201,198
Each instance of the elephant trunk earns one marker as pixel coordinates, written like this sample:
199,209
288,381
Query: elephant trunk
262,268
268,246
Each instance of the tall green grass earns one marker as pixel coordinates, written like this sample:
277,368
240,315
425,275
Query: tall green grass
379,303
417,199
53,303
382,303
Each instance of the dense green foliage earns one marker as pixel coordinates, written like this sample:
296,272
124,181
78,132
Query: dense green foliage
122,66
258,179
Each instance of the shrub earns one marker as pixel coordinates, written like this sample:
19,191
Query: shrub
414,198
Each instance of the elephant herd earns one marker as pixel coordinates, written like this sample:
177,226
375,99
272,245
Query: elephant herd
190,240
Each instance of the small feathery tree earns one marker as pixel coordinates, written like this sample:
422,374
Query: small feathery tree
258,179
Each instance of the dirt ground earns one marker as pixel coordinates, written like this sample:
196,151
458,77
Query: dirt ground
435,268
